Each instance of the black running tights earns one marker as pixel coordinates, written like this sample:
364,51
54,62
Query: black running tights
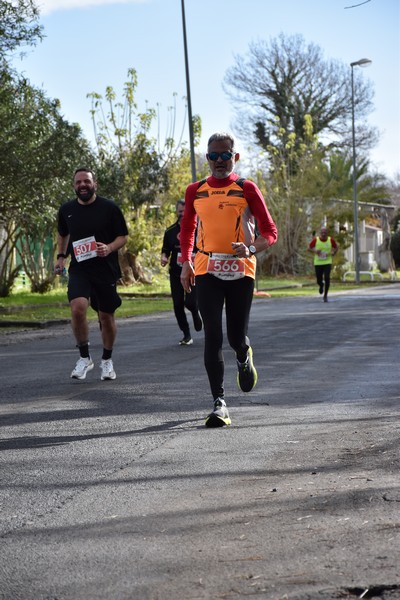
323,272
212,294
182,300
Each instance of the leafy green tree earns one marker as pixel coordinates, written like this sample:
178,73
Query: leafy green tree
337,206
130,167
133,164
145,175
338,179
40,150
289,196
18,25
319,189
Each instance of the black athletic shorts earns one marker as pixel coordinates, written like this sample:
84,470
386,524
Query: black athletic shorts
102,295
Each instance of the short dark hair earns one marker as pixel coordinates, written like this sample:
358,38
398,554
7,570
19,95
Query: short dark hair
85,170
179,203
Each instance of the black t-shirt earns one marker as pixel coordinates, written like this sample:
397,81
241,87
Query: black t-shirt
102,219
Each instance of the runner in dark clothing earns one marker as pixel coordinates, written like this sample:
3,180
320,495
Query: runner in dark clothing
171,251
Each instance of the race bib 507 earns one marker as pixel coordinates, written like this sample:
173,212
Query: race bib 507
85,248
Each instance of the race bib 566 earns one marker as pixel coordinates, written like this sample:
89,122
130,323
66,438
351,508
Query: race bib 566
226,266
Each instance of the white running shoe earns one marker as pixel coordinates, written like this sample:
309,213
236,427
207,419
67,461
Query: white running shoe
107,369
82,367
186,341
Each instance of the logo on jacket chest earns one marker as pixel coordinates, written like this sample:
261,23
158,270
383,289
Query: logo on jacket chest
226,204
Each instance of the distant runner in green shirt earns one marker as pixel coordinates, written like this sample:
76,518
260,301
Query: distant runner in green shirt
324,249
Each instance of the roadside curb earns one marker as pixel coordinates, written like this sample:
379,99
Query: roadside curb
34,324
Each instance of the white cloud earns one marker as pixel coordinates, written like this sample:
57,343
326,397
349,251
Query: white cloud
49,6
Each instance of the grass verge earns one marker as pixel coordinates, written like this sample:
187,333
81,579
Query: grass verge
141,299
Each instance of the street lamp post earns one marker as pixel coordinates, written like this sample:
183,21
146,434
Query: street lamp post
189,101
358,63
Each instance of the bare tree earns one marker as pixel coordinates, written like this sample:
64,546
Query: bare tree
280,82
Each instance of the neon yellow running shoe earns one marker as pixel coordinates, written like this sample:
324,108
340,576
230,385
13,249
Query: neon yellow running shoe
247,374
219,416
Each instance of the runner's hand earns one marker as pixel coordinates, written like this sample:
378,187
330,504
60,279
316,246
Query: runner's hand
241,250
103,249
187,276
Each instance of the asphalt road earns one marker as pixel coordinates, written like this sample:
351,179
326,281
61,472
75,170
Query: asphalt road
116,490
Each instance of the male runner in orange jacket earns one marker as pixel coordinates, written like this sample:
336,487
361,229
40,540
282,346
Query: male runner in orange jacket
225,209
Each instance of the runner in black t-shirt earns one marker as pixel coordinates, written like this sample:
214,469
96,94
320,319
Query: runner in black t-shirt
91,229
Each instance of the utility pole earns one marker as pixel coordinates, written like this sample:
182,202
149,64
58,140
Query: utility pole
189,101
358,63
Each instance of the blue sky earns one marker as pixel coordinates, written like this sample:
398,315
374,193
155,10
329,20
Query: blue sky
91,44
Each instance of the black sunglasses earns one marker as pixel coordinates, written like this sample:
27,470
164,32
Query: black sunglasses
224,155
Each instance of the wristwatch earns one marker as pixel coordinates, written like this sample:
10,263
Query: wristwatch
252,249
